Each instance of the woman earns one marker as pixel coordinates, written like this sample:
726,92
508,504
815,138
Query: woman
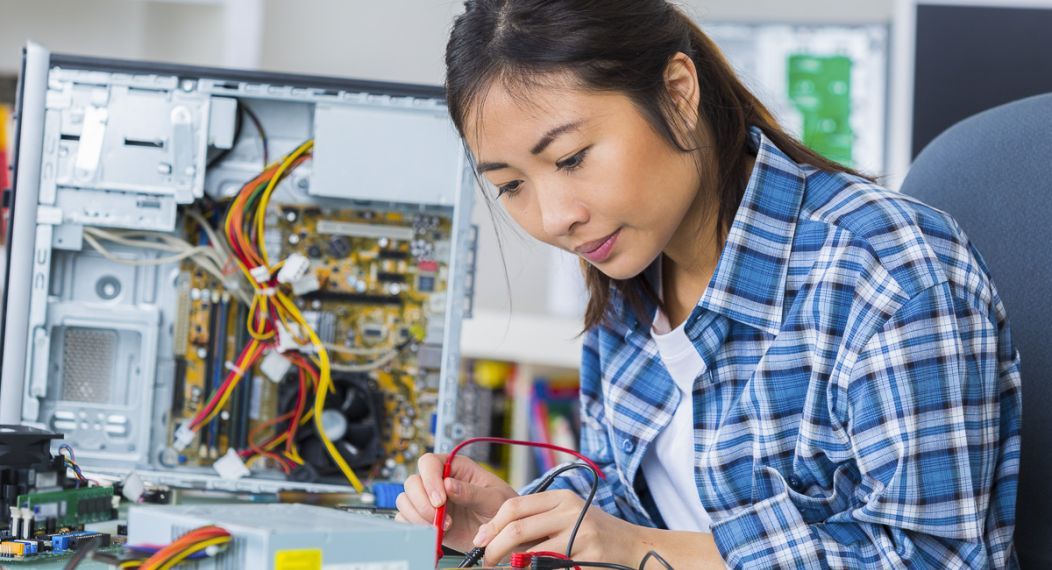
784,365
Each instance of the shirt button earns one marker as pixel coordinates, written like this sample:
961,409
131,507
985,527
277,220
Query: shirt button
794,482
628,446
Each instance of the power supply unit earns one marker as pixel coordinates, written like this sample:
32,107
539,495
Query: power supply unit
291,537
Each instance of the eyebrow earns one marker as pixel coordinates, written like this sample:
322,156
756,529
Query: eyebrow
552,135
538,148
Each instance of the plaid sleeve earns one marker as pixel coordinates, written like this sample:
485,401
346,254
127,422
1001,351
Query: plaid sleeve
922,425
595,444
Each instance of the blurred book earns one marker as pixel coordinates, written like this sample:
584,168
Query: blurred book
5,161
555,418
483,410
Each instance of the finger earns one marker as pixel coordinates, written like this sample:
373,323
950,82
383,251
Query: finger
430,467
408,512
485,501
519,508
523,533
414,491
465,469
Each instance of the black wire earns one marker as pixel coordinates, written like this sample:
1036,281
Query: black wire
476,554
238,123
587,502
548,563
262,134
473,556
655,555
82,552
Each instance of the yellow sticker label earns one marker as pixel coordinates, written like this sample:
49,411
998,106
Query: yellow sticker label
306,559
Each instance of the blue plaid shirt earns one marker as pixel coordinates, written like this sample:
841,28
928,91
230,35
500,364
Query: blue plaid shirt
860,403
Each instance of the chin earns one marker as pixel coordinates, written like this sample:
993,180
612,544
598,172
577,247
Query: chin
620,268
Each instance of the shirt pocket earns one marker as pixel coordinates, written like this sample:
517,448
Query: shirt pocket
817,506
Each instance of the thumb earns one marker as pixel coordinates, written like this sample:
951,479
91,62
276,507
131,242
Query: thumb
483,500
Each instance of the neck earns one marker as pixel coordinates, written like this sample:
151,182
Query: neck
691,255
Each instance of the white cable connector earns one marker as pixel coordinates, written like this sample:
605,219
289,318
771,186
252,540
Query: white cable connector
275,366
183,436
133,488
294,268
286,338
305,285
260,273
230,466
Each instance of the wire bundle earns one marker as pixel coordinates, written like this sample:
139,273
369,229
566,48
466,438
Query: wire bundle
272,312
207,540
69,458
295,418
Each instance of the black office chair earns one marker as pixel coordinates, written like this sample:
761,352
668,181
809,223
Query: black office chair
993,173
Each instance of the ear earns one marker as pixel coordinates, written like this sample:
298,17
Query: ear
681,80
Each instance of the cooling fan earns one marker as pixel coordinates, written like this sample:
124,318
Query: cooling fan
353,420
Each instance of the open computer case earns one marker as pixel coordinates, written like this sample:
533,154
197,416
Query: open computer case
183,233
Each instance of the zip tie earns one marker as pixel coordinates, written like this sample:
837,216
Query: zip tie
233,368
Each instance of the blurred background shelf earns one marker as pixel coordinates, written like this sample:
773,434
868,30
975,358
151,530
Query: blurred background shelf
531,339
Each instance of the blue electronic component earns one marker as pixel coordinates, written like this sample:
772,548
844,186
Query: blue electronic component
63,542
386,494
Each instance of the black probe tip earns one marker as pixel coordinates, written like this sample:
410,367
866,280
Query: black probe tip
473,557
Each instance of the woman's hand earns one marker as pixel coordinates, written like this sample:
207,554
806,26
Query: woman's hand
544,521
474,496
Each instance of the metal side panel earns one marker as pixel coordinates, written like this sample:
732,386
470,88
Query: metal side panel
450,432
24,196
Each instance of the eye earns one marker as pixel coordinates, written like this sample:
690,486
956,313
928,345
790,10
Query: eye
510,188
574,162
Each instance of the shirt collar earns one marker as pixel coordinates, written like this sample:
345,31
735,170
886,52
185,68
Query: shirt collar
748,285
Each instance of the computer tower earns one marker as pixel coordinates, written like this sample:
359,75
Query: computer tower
195,254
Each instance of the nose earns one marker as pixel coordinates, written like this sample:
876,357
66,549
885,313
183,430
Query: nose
561,210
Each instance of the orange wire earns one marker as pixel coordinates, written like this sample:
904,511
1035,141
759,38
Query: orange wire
203,533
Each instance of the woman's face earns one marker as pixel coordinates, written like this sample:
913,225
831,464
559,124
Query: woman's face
585,172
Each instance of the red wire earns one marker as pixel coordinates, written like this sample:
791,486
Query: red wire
522,560
243,363
301,400
440,513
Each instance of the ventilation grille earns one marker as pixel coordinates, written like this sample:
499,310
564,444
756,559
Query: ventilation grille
89,360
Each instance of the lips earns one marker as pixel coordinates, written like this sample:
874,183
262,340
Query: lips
598,250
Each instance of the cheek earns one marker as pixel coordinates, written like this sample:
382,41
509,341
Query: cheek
525,213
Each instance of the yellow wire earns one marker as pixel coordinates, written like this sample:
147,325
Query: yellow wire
193,550
324,385
239,374
130,564
256,334
261,209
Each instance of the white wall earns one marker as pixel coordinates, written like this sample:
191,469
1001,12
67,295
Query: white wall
393,40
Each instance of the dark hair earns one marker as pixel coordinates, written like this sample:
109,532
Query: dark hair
616,46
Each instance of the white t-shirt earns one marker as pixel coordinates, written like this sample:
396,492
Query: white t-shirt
669,462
